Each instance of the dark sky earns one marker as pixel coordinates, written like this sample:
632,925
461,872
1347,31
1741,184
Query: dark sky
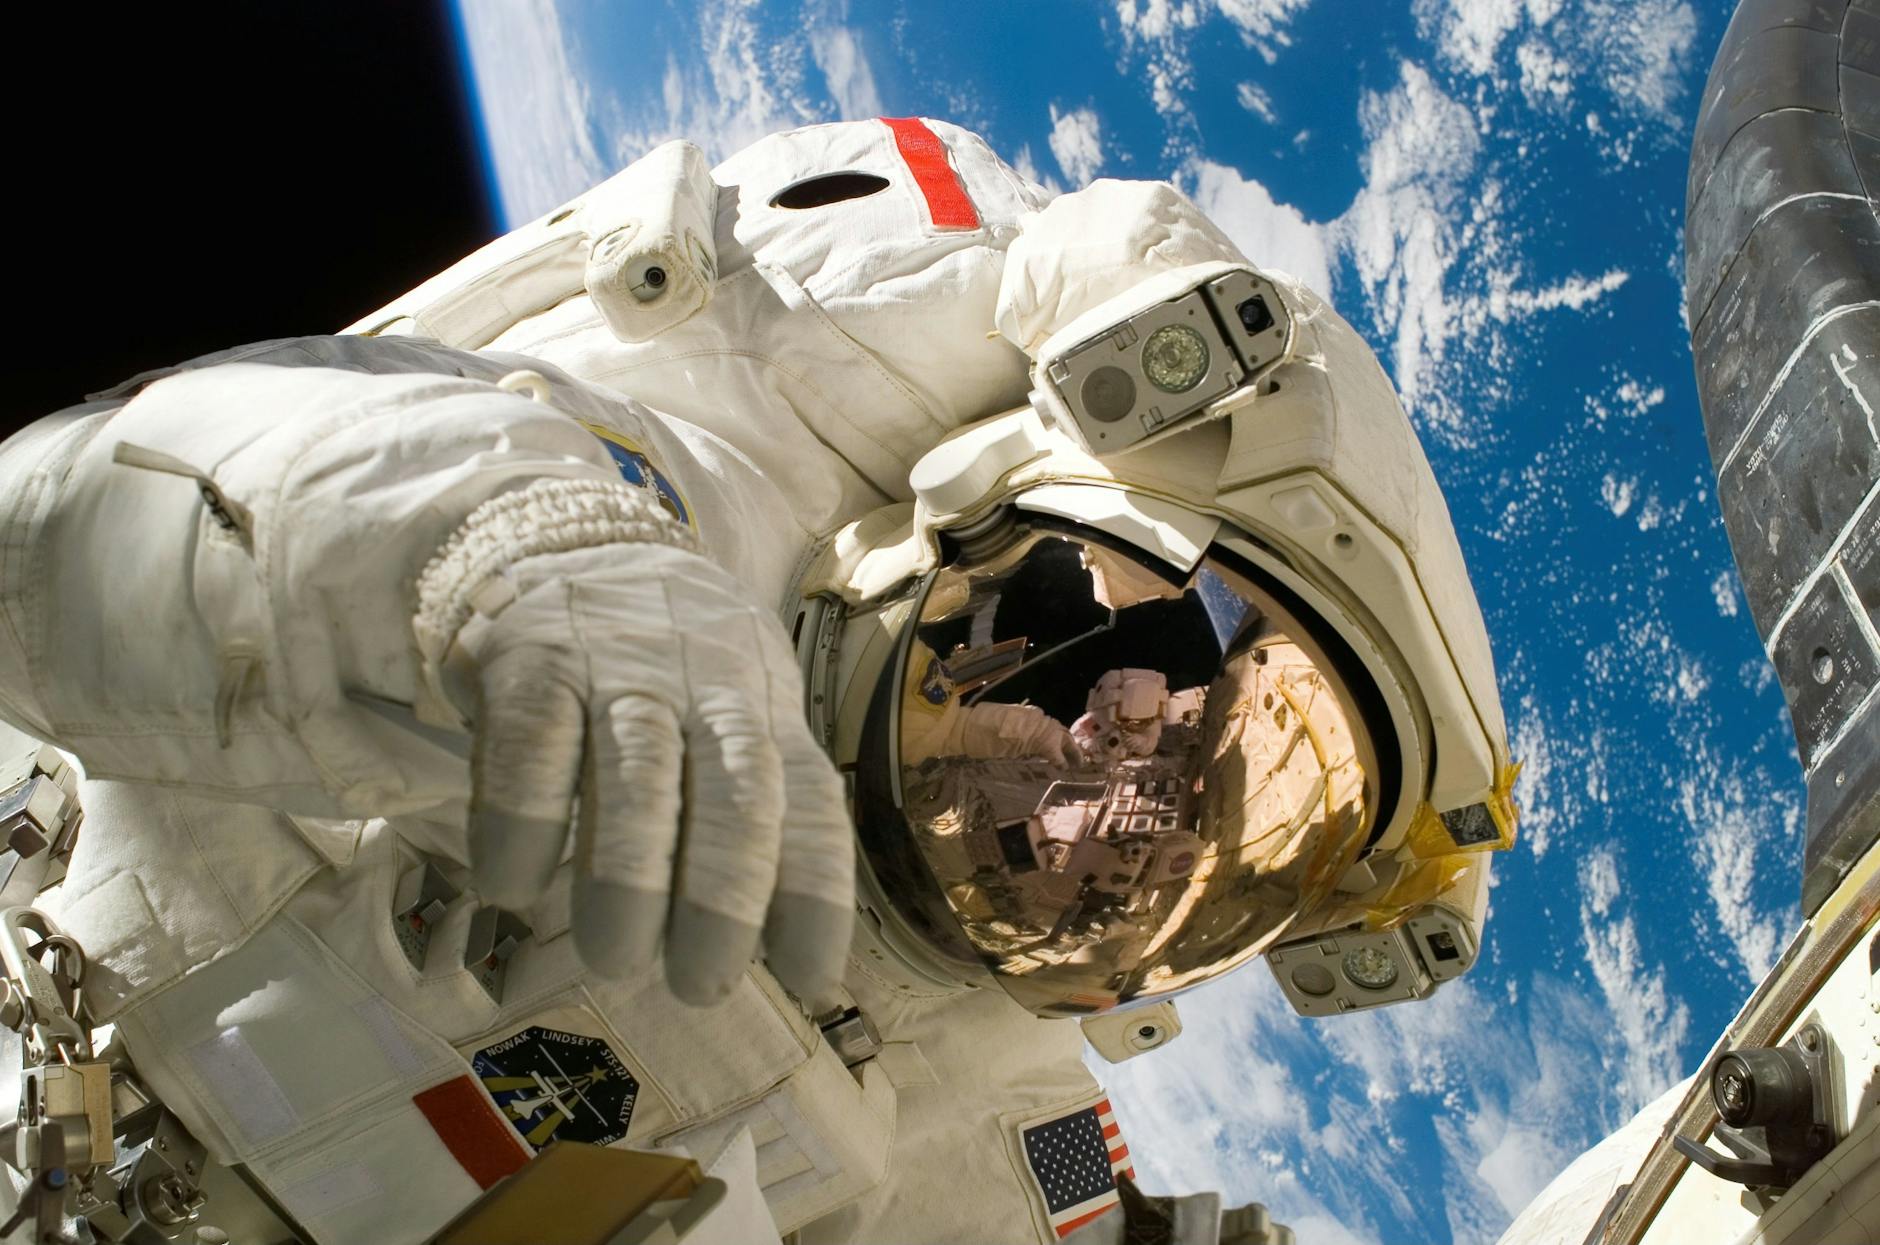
186,177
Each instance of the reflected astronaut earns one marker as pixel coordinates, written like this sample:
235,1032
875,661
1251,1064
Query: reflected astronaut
446,756
1126,712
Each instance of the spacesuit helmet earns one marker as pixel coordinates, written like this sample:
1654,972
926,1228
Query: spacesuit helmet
1117,722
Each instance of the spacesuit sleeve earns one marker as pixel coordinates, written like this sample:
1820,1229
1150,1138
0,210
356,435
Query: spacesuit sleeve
211,587
935,723
1090,245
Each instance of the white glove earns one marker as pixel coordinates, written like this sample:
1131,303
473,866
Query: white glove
990,729
633,682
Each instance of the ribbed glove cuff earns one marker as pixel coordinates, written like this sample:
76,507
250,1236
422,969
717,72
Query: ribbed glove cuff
546,516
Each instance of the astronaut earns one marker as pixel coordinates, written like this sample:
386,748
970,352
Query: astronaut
454,789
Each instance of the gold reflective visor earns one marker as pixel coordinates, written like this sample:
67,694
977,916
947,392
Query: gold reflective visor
1124,780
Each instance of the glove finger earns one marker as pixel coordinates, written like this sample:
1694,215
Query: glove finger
707,952
626,834
728,853
524,759
812,917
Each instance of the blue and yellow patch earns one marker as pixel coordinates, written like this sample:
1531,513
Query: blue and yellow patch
553,1085
936,684
637,468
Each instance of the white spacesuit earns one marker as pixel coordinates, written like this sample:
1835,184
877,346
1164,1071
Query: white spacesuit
346,632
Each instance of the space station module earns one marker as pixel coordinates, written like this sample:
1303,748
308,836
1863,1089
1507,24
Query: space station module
758,664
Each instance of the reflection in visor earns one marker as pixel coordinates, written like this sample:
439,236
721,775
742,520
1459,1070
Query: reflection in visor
1123,784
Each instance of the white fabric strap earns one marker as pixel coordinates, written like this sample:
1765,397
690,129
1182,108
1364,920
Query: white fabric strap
545,516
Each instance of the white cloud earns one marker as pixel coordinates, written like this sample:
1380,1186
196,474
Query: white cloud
1597,788
1647,657
1634,51
1565,777
1400,232
1546,75
1648,1025
1738,824
1255,100
540,116
845,68
1574,292
1516,1160
1534,793
1691,680
1637,398
1262,23
1437,236
1617,494
1630,57
1638,49
1077,143
1027,167
1161,31
1600,879
1630,398
1468,32
1437,254
1156,19
743,86
1158,28
1272,235
1723,590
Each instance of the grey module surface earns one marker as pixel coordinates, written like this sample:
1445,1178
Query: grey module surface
1782,290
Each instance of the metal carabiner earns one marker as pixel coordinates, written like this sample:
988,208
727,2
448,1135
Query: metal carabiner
45,1016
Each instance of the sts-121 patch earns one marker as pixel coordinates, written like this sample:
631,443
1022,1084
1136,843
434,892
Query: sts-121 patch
551,1084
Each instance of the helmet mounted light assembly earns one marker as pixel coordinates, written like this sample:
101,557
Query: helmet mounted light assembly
1354,970
1153,367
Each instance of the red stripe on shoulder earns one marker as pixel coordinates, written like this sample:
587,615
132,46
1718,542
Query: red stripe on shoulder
471,1130
948,204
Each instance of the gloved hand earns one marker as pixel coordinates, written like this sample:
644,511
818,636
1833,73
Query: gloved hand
631,686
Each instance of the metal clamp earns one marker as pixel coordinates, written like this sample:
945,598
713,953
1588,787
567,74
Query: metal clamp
850,1034
39,822
423,896
41,1003
154,1190
495,936
76,1098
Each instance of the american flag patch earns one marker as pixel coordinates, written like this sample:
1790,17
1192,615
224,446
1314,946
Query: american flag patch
1076,1158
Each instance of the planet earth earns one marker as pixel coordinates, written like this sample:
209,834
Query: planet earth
1492,192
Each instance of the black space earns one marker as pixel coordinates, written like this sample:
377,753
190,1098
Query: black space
186,177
